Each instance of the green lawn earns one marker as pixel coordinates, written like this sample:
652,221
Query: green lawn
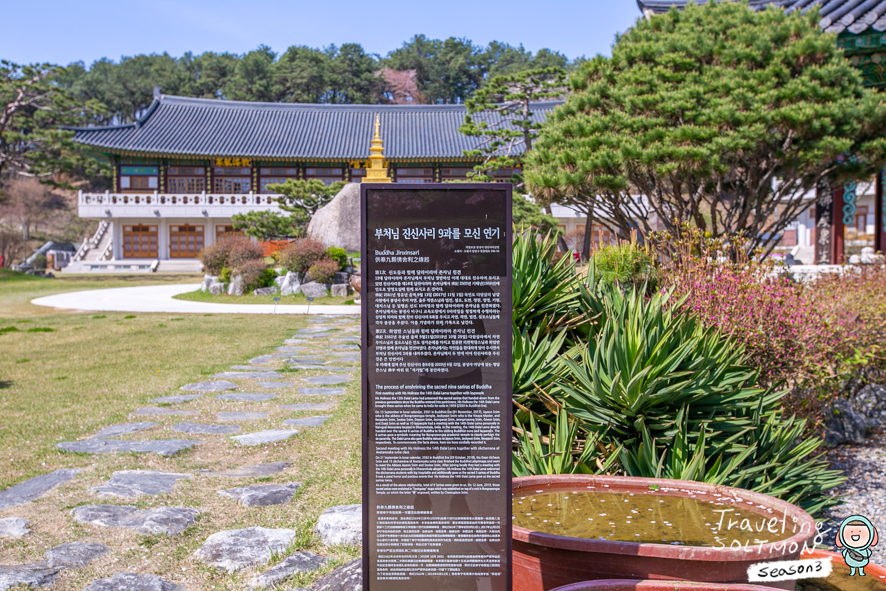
298,299
66,374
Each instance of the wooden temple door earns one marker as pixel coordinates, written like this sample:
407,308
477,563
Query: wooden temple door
140,242
185,241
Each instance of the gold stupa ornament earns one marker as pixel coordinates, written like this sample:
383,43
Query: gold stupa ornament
377,171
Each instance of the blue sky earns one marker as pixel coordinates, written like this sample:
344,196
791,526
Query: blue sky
74,30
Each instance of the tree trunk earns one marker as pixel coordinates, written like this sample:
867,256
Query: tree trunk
586,241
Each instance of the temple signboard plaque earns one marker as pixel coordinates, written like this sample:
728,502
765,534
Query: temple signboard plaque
436,268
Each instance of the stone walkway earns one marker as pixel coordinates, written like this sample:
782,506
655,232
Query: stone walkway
159,298
219,411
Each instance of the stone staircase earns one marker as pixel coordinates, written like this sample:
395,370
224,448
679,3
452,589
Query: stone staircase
180,266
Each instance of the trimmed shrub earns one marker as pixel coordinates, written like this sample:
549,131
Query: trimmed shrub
225,274
301,255
323,271
627,265
339,255
254,274
230,251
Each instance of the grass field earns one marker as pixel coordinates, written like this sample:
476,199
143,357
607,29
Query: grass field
65,374
297,299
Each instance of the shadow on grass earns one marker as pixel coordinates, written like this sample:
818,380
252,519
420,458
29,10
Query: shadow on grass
5,384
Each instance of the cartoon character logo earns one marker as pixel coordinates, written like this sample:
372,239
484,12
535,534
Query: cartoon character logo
856,536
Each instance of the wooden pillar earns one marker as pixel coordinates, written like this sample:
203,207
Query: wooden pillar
837,227
880,215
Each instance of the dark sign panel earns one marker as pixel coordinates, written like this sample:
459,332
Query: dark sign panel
436,263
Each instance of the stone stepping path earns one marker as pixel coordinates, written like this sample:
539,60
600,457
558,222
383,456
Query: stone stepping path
186,427
315,331
133,483
321,391
276,385
133,582
161,411
345,578
347,347
349,353
247,368
210,386
14,528
244,396
261,495
305,361
176,399
162,447
42,573
309,406
261,437
341,526
233,550
307,421
258,375
321,335
294,563
122,429
253,471
242,416
29,490
327,380
289,349
294,342
348,359
262,359
163,520
308,367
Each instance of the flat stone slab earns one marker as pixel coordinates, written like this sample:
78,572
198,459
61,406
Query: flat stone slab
259,375
270,436
132,483
74,554
306,361
42,573
123,429
347,347
315,330
248,368
341,526
176,399
162,447
37,574
241,416
276,385
210,386
133,582
327,380
260,495
349,353
349,359
321,335
161,411
309,406
246,396
27,491
345,578
186,427
261,359
290,349
253,471
321,391
308,367
14,528
294,342
294,563
162,520
307,421
240,548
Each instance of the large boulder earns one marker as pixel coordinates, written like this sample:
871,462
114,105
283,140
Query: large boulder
871,402
314,289
237,286
844,423
290,284
338,222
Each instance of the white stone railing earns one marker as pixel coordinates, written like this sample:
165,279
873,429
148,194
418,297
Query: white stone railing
184,199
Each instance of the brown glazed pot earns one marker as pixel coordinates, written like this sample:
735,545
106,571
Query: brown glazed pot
630,585
542,562
355,282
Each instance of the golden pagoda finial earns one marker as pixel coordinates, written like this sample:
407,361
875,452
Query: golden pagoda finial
377,171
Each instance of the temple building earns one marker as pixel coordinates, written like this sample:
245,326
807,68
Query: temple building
188,165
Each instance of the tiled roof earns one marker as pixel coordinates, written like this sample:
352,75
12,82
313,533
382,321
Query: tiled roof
856,16
206,127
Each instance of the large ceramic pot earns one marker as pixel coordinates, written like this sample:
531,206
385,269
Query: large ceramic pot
544,561
630,585
840,579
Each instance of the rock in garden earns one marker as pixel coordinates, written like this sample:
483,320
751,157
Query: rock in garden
258,375
160,411
347,347
74,554
294,563
237,286
290,284
340,278
844,423
241,416
262,359
261,437
341,526
27,491
338,222
236,549
345,578
871,402
207,281
133,582
243,396
265,291
14,527
260,495
307,421
321,391
132,483
123,429
327,380
186,427
310,406
162,520
253,471
176,399
340,290
314,289
162,447
37,574
291,350
217,289
276,385
210,386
